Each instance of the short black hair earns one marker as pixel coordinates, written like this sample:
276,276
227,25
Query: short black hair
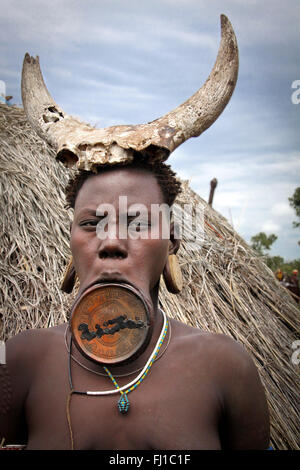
165,176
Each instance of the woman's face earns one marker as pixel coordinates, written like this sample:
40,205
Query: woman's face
113,240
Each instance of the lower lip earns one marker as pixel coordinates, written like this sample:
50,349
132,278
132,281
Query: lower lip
110,280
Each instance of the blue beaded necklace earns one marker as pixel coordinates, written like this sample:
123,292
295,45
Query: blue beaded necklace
123,403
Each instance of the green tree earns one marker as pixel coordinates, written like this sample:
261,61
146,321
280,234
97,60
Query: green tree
275,262
262,242
295,204
288,266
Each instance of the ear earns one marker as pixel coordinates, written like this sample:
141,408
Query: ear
174,243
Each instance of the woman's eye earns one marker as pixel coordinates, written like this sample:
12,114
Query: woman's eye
89,223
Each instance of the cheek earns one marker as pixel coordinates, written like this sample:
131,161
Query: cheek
156,256
75,242
81,248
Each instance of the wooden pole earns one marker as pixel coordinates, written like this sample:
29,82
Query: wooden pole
213,185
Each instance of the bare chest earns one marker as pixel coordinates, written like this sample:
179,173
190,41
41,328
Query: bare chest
166,411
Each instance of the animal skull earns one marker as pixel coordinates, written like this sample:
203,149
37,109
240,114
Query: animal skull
80,144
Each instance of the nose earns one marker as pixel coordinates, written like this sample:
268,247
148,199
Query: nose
113,248
113,243
113,251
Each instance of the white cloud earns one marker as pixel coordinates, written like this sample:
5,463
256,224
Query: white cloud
282,209
115,91
6,72
117,62
70,23
269,226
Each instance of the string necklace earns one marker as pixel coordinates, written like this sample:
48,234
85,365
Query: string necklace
116,375
150,360
123,403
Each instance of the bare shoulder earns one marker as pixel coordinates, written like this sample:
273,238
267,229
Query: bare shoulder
25,354
213,344
226,359
29,345
225,364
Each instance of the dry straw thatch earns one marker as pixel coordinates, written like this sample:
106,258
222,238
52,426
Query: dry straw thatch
228,289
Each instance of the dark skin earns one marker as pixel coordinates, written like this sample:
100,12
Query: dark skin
203,393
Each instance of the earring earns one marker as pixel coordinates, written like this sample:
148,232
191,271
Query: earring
172,275
69,278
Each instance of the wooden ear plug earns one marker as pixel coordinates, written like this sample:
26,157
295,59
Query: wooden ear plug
69,278
172,275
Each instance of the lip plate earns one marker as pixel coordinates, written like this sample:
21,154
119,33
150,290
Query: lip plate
139,346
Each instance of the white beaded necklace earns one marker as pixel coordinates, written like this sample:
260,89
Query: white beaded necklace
133,382
123,403
116,375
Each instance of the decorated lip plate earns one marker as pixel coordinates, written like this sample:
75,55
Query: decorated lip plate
110,323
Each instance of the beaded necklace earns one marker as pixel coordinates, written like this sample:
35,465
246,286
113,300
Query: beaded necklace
116,375
123,403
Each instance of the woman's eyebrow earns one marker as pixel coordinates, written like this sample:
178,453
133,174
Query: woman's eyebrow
86,211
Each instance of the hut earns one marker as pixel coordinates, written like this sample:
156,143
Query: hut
227,287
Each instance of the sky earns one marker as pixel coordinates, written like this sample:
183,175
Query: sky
111,62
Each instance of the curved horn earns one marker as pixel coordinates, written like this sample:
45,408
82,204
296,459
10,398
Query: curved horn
37,101
200,111
79,143
47,118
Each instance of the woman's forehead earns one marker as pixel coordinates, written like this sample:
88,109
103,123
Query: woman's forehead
140,186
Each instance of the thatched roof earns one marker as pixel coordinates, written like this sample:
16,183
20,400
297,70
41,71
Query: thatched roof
227,288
